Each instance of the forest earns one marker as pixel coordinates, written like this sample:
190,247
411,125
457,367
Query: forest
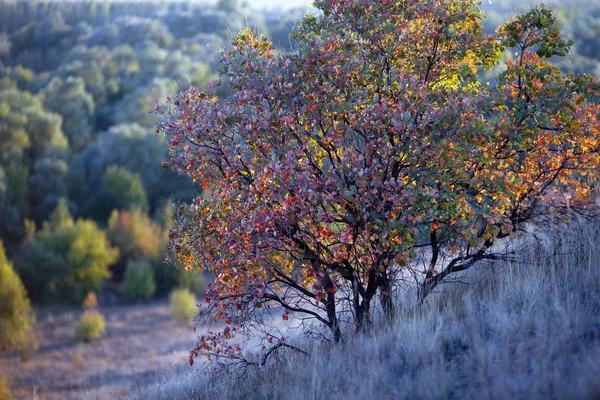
87,193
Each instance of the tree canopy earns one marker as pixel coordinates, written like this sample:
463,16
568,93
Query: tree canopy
371,154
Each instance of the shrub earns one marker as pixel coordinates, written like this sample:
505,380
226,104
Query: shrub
5,392
183,304
66,260
91,301
90,326
139,280
16,317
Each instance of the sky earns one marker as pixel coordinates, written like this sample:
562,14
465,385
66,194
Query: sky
278,3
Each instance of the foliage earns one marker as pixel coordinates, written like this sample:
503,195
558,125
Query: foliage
90,301
136,106
172,276
124,189
27,130
334,172
183,304
5,392
70,99
90,326
47,186
66,260
139,280
136,235
16,318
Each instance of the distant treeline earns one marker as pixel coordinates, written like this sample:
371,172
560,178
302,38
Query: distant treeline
80,165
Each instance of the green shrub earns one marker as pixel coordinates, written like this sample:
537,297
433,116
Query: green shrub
16,317
139,280
90,326
183,304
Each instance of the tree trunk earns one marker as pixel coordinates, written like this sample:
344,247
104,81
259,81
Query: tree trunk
331,312
387,302
363,319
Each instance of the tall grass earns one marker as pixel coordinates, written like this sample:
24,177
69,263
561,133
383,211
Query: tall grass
528,329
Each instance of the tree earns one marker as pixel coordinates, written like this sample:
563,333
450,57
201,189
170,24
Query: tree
69,99
139,280
27,131
335,172
136,235
136,106
16,318
66,260
124,189
131,147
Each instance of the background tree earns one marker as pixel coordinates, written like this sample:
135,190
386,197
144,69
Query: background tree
335,172
121,190
69,99
136,236
139,280
66,260
16,318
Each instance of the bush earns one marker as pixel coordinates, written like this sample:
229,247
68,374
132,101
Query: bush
139,280
90,326
183,304
5,393
66,260
91,301
16,318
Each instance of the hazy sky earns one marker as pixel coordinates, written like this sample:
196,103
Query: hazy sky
278,3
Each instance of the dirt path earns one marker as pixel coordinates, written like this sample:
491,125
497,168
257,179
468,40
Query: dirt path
140,343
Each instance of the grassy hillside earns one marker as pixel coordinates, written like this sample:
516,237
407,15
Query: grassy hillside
522,330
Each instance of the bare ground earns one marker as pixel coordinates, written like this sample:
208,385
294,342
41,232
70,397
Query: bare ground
140,343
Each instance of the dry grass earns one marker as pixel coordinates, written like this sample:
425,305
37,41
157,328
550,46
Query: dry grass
523,330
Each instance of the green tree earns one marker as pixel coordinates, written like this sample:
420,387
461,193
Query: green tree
138,105
47,186
27,130
76,106
66,260
11,205
16,318
124,189
139,280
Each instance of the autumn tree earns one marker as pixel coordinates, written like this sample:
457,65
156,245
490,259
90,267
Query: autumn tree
16,318
370,154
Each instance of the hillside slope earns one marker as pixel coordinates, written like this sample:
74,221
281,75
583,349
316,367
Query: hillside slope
521,330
